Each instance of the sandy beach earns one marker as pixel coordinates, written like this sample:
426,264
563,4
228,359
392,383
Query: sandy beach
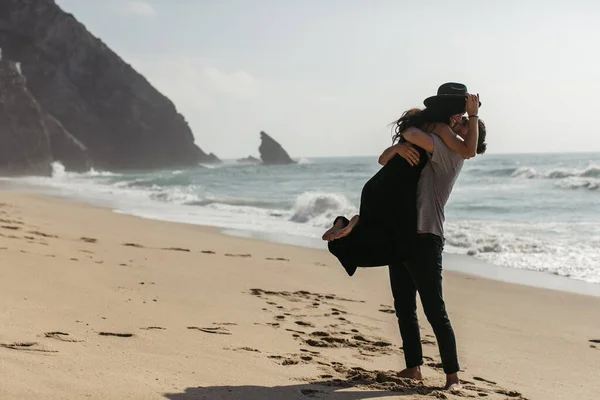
98,305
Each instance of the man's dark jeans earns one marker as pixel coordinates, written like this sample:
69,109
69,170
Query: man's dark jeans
423,273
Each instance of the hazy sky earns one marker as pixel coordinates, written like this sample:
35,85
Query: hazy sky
325,77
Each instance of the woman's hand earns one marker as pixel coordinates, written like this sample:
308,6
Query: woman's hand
408,152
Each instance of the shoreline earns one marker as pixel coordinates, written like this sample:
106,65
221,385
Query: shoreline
457,263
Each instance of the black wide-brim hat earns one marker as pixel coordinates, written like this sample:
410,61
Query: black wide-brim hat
449,95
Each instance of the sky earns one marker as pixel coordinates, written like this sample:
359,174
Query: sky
326,77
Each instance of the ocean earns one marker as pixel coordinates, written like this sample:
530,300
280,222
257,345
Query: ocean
536,212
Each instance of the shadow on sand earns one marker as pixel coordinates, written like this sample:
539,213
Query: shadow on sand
296,392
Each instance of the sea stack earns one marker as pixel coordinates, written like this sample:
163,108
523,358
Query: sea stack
271,152
248,160
81,88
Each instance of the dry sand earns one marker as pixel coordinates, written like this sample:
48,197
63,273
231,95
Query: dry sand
96,305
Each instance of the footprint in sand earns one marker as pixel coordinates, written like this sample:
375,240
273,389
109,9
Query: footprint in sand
26,346
42,234
216,331
88,240
9,221
61,336
295,331
302,323
207,252
12,228
139,246
477,378
238,255
249,349
121,335
154,328
277,259
509,393
177,249
310,351
292,359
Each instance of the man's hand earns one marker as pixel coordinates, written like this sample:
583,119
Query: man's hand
473,104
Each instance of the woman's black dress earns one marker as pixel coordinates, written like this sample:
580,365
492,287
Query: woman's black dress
387,222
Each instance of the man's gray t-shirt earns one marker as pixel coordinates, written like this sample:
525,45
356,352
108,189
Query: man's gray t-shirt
435,185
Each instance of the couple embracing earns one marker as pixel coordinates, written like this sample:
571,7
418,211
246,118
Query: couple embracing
401,217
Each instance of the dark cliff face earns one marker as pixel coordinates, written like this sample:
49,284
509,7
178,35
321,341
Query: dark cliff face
24,141
65,148
271,152
30,138
102,101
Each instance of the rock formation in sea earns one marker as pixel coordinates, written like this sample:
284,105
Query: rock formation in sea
248,160
271,152
107,112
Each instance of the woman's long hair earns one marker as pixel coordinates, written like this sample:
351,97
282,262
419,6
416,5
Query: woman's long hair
422,119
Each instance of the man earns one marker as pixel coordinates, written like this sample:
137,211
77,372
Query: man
422,271
386,225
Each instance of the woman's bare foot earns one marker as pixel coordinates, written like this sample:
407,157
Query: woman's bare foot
452,383
345,231
411,373
339,224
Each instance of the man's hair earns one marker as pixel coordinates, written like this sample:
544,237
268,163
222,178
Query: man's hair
481,143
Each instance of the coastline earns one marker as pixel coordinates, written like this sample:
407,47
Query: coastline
458,263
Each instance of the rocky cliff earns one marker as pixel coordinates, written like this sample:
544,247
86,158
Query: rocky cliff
107,108
24,141
30,138
271,152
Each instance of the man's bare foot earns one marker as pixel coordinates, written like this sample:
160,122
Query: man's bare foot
339,224
345,231
411,373
452,383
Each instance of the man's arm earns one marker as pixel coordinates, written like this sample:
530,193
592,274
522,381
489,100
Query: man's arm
473,111
468,147
453,141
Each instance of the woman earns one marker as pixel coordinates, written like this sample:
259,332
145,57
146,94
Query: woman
387,224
